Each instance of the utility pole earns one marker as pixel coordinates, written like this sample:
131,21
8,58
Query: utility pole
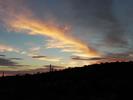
3,74
50,68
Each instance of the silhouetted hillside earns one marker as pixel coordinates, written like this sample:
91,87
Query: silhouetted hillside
109,81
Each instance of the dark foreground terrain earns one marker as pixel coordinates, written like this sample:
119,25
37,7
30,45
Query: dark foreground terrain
109,81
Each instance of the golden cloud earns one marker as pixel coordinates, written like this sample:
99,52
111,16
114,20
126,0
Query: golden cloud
35,27
46,58
61,45
25,22
50,59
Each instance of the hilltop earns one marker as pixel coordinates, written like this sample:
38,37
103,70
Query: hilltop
108,81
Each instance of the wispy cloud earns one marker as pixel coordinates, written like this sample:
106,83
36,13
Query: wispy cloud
25,21
2,55
39,56
50,59
63,46
111,57
47,58
35,49
6,48
8,62
56,44
16,58
37,28
88,59
92,17
23,52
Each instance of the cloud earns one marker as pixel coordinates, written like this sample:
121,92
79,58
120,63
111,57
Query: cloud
49,59
39,56
46,58
35,49
53,31
23,52
110,57
96,17
85,58
126,55
65,48
56,44
11,62
6,48
61,45
100,18
2,55
16,58
116,38
7,62
25,22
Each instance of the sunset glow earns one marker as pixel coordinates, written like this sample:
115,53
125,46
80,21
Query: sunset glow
67,33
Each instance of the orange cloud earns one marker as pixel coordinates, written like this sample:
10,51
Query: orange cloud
35,27
50,59
24,22
61,45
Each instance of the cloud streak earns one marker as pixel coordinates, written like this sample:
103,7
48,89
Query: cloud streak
39,56
16,58
26,23
7,62
51,30
87,59
2,55
46,58
111,57
84,29
6,48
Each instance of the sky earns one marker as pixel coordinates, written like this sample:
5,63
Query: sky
64,33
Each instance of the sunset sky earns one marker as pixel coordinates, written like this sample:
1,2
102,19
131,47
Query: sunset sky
64,33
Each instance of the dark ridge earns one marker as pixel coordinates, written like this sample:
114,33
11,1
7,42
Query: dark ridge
108,81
